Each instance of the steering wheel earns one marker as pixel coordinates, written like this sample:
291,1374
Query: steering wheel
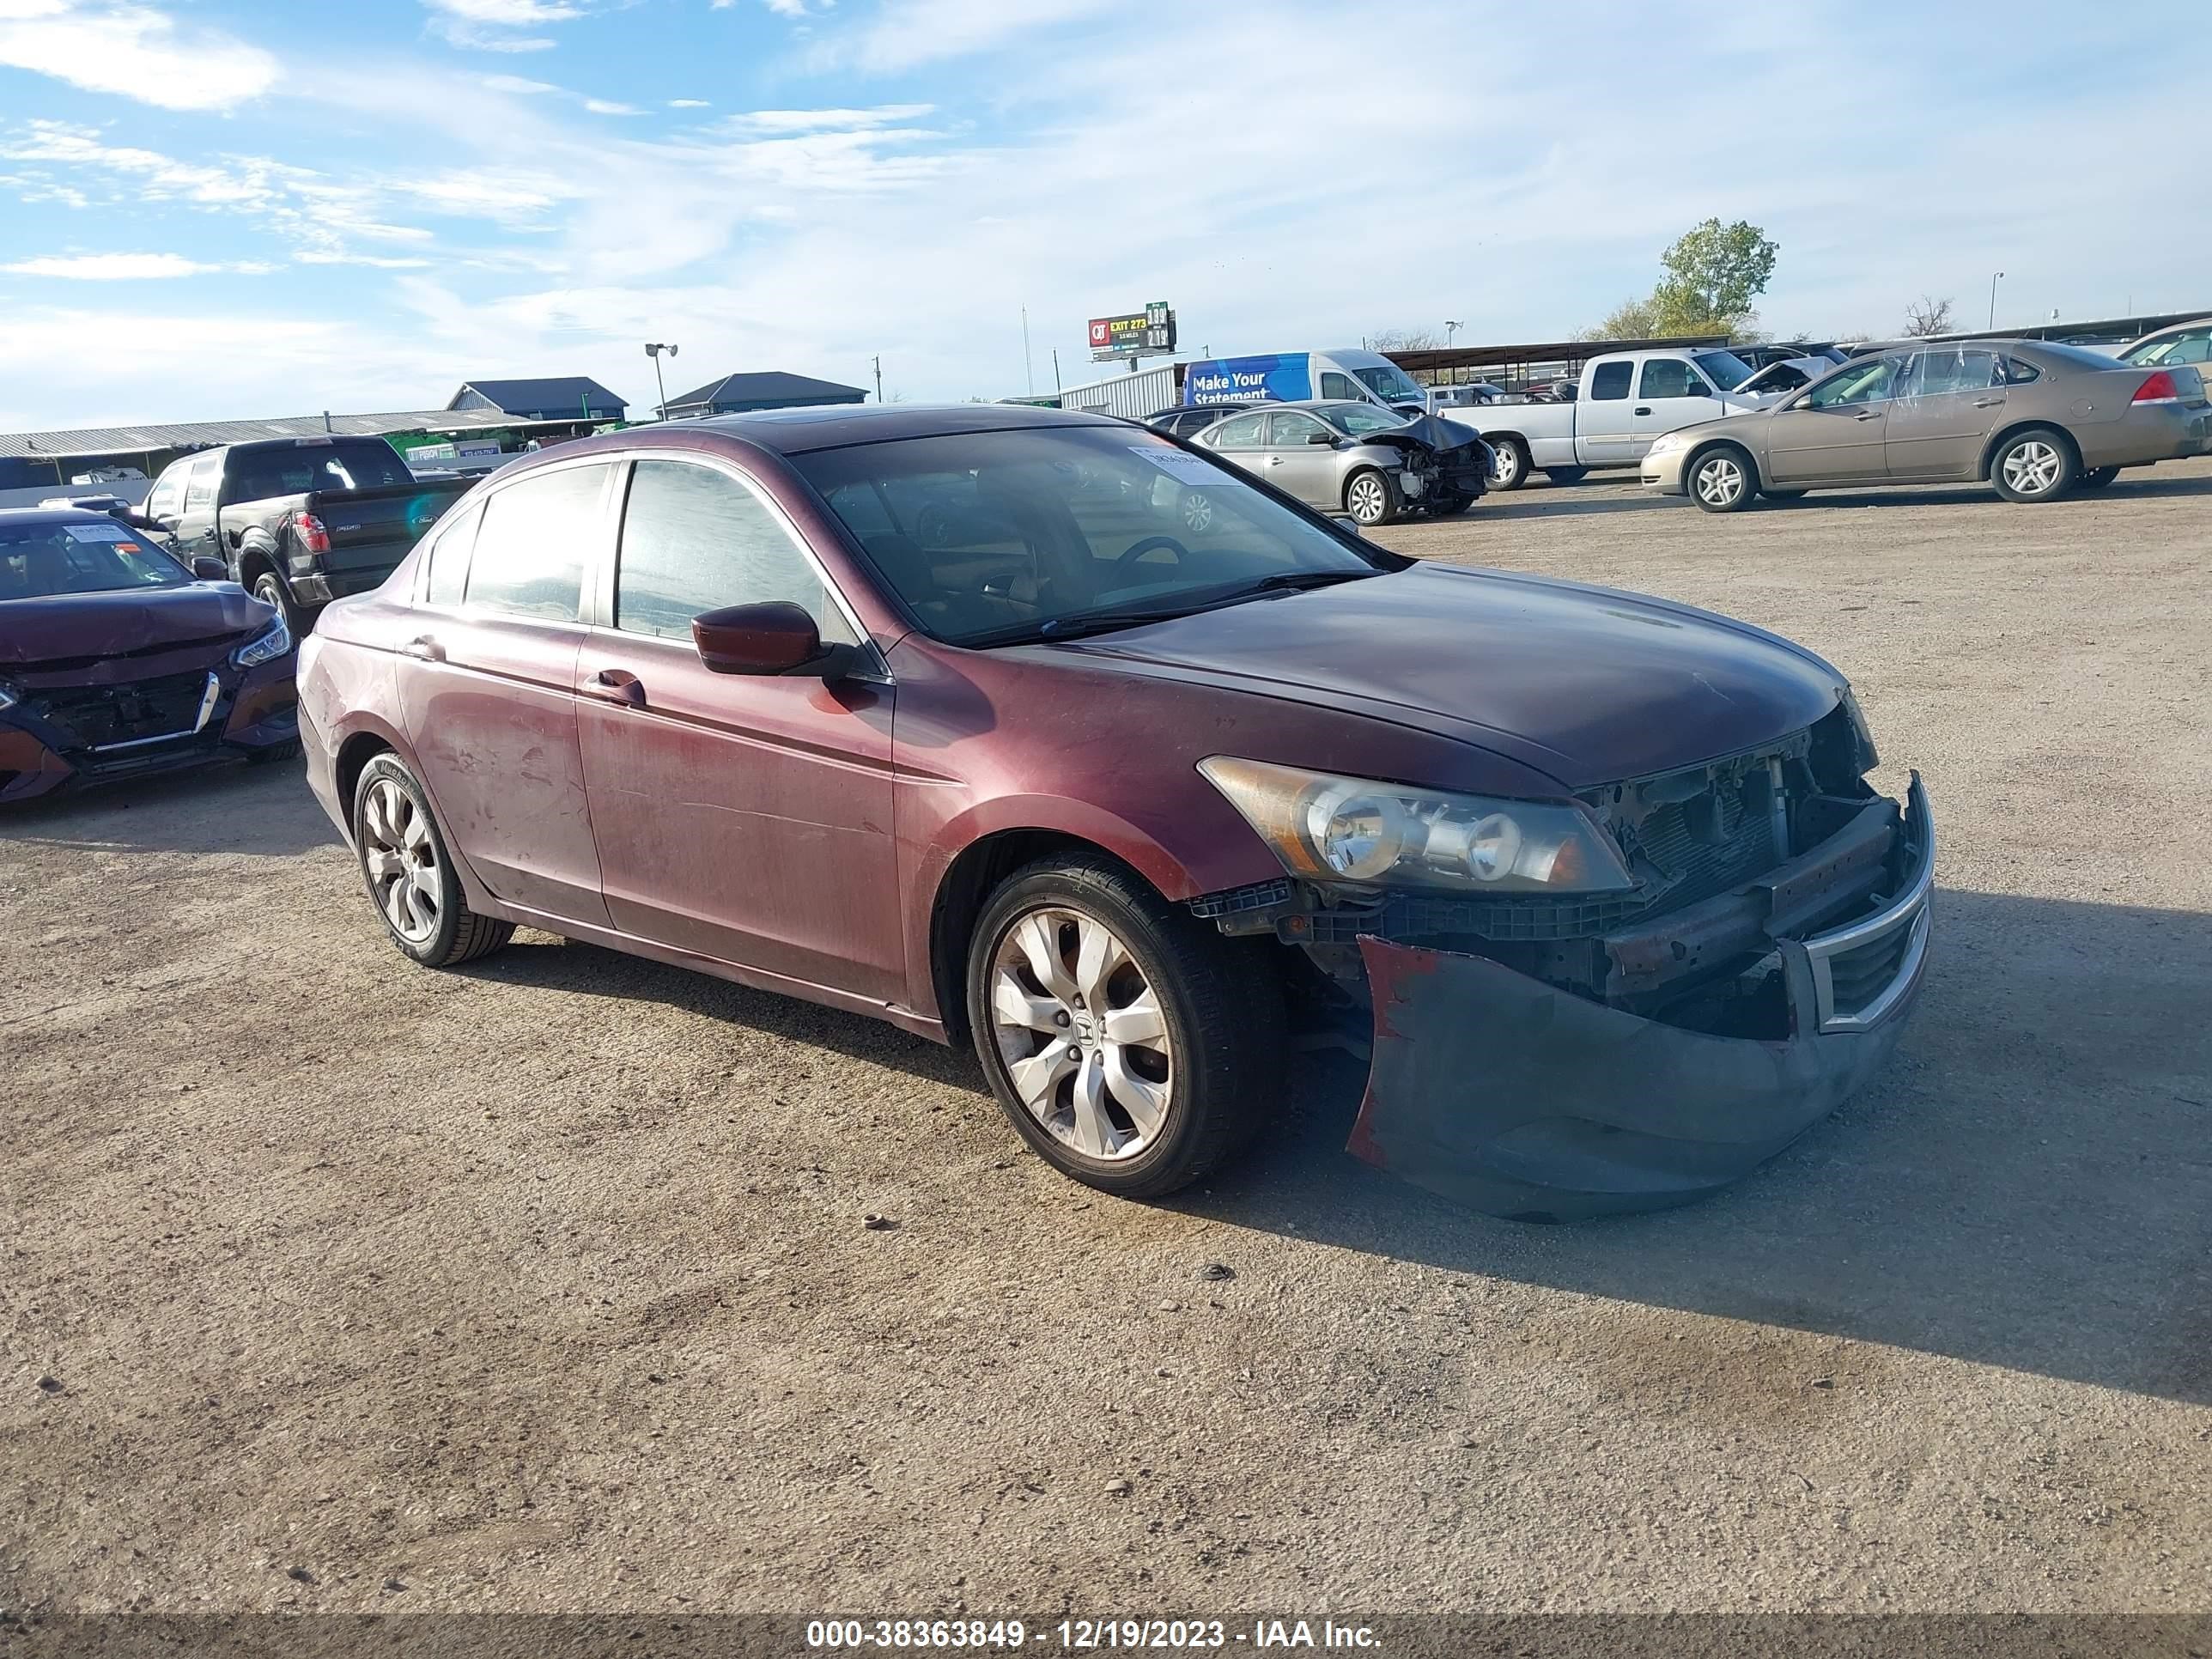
1136,550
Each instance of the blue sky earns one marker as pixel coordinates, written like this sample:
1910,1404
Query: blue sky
223,208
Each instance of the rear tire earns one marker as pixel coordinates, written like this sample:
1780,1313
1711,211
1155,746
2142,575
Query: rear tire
409,873
269,590
2037,465
1721,479
2097,478
1566,475
1199,1062
1509,462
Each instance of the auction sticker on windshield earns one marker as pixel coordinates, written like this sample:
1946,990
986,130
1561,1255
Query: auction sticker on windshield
1180,464
98,533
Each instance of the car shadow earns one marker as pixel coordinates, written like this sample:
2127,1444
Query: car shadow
2128,486
2028,1185
1567,501
227,807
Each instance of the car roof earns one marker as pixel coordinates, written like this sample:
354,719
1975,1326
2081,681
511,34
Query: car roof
21,515
833,426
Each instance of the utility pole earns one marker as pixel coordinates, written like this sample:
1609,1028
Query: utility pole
1056,371
1028,371
1993,297
652,350
878,361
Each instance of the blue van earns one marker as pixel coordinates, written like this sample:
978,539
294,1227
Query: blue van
1345,373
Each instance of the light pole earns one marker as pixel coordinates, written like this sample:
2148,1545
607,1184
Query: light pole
1993,297
652,350
1450,329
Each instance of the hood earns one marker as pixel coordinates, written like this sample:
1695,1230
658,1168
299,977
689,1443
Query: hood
1585,684
66,629
1422,432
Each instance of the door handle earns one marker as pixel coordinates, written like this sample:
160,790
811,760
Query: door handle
617,685
1643,408
427,648
1870,415
1989,403
1274,460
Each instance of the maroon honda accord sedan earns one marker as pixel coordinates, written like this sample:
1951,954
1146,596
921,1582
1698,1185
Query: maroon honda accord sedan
951,717
116,660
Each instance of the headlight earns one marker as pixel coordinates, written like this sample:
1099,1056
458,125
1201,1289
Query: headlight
1667,441
8,698
1349,830
265,646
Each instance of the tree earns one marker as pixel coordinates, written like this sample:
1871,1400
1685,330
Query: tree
1713,273
1405,339
1928,316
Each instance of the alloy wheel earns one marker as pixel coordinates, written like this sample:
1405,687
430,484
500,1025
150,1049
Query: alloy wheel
1504,465
1197,512
1082,1033
1720,480
402,861
1367,500
2035,468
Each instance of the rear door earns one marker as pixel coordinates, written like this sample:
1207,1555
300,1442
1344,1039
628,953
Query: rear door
747,817
1949,399
195,527
1243,439
1604,427
1293,460
1670,392
1832,433
488,685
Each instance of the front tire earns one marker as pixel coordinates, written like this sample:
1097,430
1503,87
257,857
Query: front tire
269,590
1722,479
1132,1045
410,875
1509,462
2034,466
1371,498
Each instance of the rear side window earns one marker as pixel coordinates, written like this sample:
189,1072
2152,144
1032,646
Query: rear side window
449,557
532,544
1239,432
2018,372
695,539
1610,381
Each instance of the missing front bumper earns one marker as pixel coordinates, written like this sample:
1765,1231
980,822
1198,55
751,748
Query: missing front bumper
1526,1101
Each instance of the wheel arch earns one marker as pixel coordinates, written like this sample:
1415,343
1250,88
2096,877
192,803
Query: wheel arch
1699,452
255,556
2005,433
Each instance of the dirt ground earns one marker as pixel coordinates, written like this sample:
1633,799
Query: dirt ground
327,1282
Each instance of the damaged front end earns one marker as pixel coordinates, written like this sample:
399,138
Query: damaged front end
1553,1058
1441,464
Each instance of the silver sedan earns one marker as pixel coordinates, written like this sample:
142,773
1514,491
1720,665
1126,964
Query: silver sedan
1349,458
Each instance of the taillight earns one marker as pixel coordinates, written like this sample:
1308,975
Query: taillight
308,531
2158,389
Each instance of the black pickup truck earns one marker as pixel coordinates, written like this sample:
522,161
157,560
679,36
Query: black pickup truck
299,521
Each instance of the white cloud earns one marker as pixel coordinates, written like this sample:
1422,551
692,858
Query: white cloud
126,267
376,261
132,51
517,85
824,120
495,25
688,103
905,35
608,107
789,8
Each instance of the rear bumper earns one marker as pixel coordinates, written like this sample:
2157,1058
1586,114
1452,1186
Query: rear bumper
1530,1102
2147,432
318,577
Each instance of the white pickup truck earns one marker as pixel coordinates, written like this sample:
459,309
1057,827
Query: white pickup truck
1623,401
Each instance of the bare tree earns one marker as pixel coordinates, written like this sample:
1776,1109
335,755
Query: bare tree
1405,339
1926,316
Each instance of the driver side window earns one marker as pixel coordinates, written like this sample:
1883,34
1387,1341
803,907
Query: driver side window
1292,430
1869,382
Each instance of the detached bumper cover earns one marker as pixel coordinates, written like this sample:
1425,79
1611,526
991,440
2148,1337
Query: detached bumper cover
1528,1101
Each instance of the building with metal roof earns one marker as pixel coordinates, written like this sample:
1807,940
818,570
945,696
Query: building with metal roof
553,398
741,394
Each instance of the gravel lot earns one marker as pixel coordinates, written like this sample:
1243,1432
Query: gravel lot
544,1284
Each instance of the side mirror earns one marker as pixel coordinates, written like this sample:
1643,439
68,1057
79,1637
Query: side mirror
208,569
1345,521
776,637
1323,439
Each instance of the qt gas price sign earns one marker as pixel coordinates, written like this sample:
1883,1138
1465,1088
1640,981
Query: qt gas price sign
1133,333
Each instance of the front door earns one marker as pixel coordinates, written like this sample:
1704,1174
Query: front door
1832,433
488,689
1671,394
1301,458
1949,399
193,527
741,816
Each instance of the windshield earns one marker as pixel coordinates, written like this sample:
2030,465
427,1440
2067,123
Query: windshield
1390,382
1723,368
38,560
1356,418
994,537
